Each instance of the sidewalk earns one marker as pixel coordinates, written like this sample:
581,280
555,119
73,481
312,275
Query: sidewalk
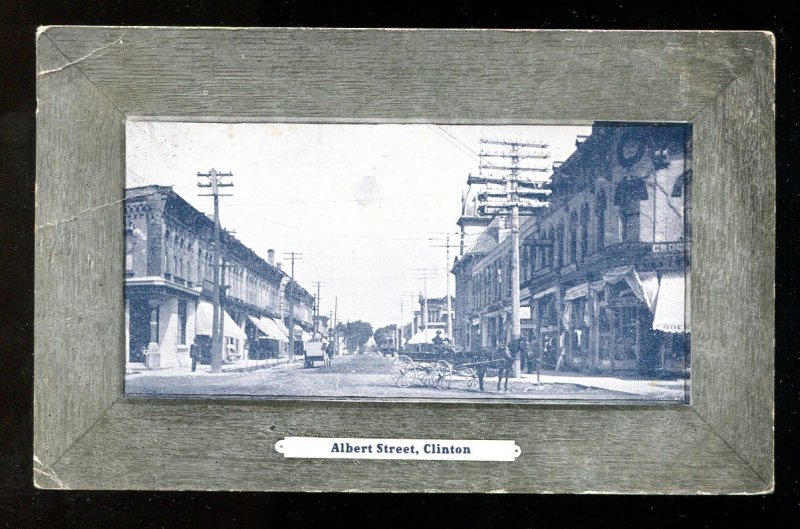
240,366
655,388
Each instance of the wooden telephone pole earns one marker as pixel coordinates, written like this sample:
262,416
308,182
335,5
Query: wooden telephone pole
293,256
318,285
513,196
215,182
447,246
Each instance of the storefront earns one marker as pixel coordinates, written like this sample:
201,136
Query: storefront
627,321
546,327
267,340
234,336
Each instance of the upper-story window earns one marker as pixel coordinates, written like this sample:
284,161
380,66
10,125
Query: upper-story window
130,244
584,246
573,237
560,244
600,213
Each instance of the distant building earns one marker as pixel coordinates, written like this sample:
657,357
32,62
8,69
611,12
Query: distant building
604,269
427,323
169,284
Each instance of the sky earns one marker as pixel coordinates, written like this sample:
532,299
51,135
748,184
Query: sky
368,206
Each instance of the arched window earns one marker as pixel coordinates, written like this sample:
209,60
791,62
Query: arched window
130,244
600,212
584,231
560,243
573,237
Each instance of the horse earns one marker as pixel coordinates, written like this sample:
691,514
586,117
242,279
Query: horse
502,359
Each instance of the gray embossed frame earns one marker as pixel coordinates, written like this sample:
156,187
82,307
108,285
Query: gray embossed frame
91,79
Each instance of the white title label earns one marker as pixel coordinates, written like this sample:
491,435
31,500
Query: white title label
428,449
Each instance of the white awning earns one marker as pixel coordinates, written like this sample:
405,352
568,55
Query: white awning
425,336
644,285
671,314
299,331
576,292
269,329
204,316
284,329
545,292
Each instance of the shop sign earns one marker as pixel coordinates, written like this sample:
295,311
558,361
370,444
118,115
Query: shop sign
661,247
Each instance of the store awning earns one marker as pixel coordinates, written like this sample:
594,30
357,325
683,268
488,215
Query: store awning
301,333
543,293
671,314
644,285
425,336
204,316
269,329
284,329
576,292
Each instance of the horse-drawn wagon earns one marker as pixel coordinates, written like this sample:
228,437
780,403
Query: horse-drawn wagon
437,366
434,367
315,352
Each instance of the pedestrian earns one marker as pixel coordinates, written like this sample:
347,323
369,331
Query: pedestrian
194,353
329,352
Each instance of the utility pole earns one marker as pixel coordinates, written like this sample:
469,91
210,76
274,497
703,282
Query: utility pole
400,336
447,246
317,284
215,182
335,323
293,256
517,196
424,274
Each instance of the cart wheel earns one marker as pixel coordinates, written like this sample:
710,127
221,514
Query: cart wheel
403,371
429,376
471,375
444,374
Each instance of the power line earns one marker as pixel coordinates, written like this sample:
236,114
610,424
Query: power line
459,141
331,234
461,149
342,201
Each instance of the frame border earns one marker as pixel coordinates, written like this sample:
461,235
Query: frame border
90,79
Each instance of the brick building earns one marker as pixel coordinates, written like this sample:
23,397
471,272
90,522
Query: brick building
169,284
604,269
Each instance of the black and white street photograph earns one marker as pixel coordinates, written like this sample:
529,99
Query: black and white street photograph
408,261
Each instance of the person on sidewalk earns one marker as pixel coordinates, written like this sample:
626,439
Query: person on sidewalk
194,354
200,350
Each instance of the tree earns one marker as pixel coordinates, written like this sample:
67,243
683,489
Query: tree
356,334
